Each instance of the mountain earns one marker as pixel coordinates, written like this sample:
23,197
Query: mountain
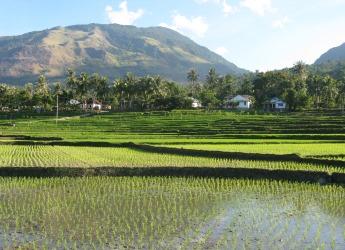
336,54
331,63
109,49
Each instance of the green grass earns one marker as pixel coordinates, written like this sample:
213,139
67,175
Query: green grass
169,213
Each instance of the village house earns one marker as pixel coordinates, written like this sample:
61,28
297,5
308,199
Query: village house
275,104
91,105
242,102
196,103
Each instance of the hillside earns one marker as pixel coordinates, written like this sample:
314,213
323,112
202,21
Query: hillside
109,49
331,63
336,54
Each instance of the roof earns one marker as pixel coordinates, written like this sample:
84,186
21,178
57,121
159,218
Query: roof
93,102
275,100
239,98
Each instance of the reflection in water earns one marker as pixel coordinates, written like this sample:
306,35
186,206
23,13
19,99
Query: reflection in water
170,213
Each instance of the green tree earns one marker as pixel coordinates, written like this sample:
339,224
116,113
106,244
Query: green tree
329,92
193,78
341,95
98,88
42,95
209,99
212,79
247,87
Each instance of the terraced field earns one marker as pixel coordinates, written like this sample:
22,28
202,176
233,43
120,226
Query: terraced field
182,126
160,212
306,135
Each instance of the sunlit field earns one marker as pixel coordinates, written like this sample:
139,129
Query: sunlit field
86,157
169,212
322,150
181,126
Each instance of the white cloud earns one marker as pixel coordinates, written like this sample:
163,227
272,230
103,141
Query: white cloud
195,25
280,23
123,15
259,7
221,51
226,7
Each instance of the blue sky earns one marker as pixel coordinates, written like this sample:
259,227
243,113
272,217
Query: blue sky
254,34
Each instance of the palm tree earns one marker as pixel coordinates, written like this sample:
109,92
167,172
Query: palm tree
212,78
83,85
341,95
300,69
193,77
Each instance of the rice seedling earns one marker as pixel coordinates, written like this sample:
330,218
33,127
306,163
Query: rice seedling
121,212
182,126
85,157
328,150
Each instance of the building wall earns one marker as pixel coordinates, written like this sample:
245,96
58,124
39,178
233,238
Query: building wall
280,105
196,105
244,105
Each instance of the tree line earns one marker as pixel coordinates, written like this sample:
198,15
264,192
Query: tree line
300,87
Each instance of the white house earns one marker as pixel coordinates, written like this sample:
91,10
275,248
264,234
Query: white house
239,102
196,103
275,104
91,105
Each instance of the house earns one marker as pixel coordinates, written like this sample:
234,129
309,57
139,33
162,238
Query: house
196,103
91,105
275,104
239,102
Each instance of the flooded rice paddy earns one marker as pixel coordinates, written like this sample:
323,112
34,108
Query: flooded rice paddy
169,213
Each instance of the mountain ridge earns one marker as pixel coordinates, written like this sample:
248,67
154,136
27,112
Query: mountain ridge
109,49
336,54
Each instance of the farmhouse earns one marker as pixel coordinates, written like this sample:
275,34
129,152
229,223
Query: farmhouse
275,104
196,103
91,105
239,102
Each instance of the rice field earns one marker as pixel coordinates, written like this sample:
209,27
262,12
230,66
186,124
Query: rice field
325,150
180,126
169,213
86,157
